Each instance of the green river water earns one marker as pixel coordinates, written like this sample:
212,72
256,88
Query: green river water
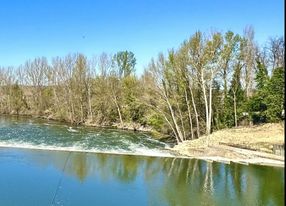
48,163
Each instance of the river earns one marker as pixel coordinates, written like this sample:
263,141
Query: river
48,163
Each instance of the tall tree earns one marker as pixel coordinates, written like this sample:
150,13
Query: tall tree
236,93
123,66
228,55
125,62
248,53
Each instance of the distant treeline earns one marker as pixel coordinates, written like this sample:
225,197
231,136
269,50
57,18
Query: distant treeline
212,81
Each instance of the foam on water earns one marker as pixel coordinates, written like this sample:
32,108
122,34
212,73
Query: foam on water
70,129
135,150
32,134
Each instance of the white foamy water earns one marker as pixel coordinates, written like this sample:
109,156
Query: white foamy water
70,129
139,151
43,135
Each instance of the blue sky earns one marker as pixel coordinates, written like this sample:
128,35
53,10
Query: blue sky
32,28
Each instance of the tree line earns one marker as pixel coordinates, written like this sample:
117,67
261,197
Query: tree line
211,81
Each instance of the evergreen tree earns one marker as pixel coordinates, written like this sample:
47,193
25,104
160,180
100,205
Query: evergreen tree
262,77
256,104
274,100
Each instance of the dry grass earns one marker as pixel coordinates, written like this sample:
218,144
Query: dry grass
260,138
255,137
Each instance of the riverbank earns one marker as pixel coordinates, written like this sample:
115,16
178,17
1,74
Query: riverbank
245,145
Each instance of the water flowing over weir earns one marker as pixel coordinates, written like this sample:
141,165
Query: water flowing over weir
19,132
80,174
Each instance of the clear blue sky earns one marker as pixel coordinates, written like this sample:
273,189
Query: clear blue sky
31,28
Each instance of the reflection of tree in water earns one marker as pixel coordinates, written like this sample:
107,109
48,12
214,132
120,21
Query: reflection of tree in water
124,168
177,181
105,167
194,182
269,184
79,165
152,167
253,185
186,181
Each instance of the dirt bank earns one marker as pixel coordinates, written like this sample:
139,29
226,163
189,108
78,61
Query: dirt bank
243,145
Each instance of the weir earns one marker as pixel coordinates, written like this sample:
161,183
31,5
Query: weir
48,135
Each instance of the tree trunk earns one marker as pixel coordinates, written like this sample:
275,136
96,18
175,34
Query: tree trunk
195,110
247,83
189,114
182,122
173,129
206,103
89,104
210,106
234,108
56,96
72,107
118,110
180,135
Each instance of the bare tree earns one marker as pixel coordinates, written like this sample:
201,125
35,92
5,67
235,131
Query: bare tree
36,78
248,53
276,48
163,91
204,55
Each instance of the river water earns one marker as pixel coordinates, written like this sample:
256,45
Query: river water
34,172
50,135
